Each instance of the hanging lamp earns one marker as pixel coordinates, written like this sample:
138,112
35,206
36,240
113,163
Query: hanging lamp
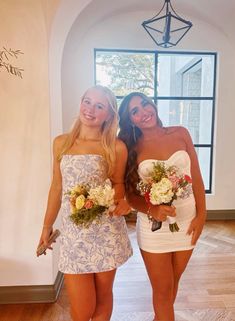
167,30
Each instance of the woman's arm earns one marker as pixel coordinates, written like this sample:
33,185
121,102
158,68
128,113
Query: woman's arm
137,202
158,212
54,196
122,207
198,188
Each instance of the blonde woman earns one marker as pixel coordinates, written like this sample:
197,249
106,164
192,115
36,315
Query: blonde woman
90,153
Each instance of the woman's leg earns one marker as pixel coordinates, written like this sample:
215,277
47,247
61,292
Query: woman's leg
180,260
104,295
82,295
160,271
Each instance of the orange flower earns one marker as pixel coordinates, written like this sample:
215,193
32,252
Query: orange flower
88,204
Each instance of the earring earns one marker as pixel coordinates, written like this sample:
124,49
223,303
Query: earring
134,134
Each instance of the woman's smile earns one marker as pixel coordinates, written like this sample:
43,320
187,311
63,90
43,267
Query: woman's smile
147,118
88,116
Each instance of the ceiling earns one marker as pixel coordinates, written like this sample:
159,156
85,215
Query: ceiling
220,14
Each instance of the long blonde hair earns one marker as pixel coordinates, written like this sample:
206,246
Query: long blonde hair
108,130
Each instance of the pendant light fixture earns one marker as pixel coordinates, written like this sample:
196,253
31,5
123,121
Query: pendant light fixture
168,29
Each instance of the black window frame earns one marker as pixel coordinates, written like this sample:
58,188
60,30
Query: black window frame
155,97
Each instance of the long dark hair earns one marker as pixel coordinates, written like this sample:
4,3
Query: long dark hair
130,135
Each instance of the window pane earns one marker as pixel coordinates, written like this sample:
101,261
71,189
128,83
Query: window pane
124,72
204,157
195,115
185,75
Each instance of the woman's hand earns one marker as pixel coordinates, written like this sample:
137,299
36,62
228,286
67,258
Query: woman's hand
195,228
44,239
121,208
160,212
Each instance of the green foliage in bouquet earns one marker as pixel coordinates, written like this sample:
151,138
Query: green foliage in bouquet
86,216
160,171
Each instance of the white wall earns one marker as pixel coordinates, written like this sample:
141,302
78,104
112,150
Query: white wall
124,31
30,117
25,162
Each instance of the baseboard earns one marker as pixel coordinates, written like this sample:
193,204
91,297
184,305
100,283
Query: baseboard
221,215
211,215
31,294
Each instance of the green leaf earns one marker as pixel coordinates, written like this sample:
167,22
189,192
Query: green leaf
85,217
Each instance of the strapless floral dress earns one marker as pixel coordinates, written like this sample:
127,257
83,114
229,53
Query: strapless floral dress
101,247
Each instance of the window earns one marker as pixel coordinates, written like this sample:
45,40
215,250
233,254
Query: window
182,84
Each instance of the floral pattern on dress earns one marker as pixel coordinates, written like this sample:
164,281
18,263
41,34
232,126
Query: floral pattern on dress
101,247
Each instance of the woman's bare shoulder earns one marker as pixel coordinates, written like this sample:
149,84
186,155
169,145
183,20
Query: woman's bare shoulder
176,130
60,140
120,146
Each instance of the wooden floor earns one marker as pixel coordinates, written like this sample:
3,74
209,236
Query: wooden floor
206,293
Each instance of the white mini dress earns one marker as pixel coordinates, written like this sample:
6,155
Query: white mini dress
163,240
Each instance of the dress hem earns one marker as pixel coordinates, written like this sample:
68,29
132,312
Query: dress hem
106,270
169,251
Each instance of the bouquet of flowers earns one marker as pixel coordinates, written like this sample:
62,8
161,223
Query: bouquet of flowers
163,186
89,203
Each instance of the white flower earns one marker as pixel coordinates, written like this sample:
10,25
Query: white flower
102,195
161,192
179,191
